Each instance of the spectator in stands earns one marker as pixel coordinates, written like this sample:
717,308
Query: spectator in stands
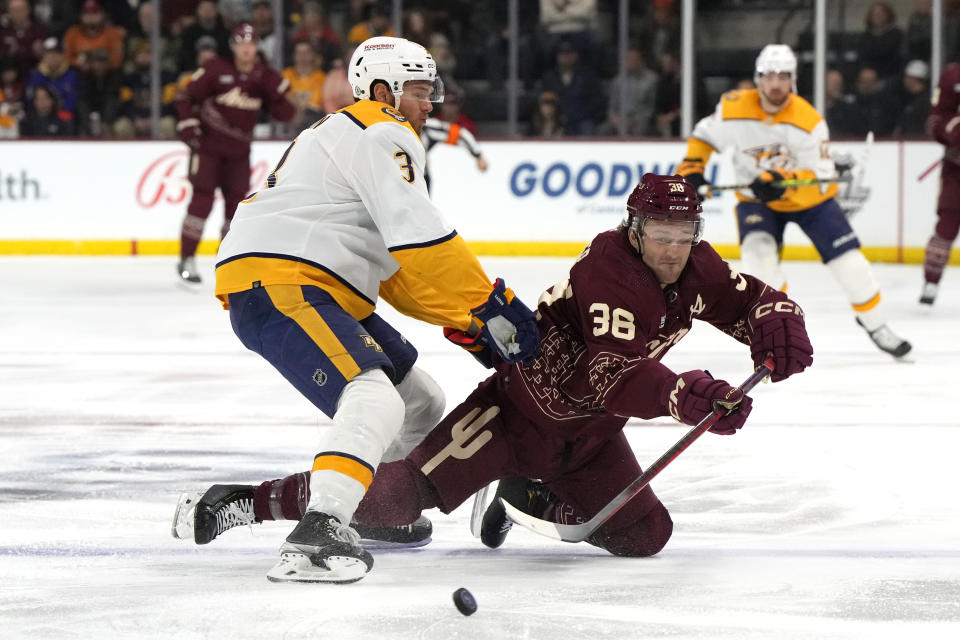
571,22
914,99
443,54
11,99
45,118
918,34
640,93
21,37
142,31
315,29
660,32
271,42
233,12
56,15
880,45
840,112
207,23
93,32
417,27
578,90
451,110
548,121
98,103
376,22
667,105
54,71
306,85
206,51
337,92
493,62
875,107
135,107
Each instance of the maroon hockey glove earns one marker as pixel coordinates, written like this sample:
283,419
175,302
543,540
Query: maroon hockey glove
189,132
696,394
777,329
476,345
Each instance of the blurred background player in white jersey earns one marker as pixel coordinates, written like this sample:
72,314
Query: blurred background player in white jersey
776,135
345,218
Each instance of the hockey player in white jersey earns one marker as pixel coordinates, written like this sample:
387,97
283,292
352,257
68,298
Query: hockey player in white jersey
777,135
343,219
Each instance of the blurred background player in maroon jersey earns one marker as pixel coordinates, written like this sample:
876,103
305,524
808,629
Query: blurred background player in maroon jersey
629,298
943,125
217,111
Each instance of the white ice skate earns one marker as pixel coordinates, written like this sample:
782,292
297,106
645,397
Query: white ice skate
189,274
929,293
888,341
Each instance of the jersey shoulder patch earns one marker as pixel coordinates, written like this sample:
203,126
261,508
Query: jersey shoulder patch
741,105
366,113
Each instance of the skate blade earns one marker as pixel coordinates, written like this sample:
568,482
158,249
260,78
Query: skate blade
182,527
372,544
297,567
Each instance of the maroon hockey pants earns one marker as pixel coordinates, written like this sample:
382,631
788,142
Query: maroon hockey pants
207,172
482,440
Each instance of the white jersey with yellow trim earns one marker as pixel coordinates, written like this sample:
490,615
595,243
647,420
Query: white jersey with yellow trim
795,138
344,209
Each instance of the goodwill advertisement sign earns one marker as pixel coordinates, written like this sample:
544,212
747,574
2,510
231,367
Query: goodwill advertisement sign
534,193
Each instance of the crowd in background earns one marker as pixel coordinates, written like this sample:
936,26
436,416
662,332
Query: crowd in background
83,67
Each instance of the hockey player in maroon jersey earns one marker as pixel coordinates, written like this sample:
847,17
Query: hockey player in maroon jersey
942,124
217,111
629,298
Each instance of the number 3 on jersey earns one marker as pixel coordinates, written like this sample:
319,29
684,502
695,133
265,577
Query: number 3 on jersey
406,165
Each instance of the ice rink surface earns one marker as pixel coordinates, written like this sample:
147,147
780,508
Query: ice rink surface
832,514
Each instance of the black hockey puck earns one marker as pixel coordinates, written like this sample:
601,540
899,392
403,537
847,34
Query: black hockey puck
466,604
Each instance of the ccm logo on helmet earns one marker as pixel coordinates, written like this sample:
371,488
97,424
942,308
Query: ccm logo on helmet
783,306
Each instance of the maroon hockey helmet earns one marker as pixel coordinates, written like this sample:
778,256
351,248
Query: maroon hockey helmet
667,198
244,32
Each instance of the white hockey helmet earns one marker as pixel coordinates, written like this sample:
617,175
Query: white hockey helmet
776,58
394,61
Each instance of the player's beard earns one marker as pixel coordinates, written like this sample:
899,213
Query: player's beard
776,100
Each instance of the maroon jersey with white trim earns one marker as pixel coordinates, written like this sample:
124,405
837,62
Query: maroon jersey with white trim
944,120
228,103
605,330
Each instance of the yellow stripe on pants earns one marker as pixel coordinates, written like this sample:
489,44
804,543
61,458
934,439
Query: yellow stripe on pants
288,299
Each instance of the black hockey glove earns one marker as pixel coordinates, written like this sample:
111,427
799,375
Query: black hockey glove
763,186
700,184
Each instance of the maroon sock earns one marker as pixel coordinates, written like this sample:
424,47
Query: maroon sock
935,258
283,499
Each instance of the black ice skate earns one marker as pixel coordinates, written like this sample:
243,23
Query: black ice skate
929,293
416,534
204,516
320,549
527,495
189,274
888,341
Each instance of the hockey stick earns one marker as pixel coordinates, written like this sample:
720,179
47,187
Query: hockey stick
580,532
794,182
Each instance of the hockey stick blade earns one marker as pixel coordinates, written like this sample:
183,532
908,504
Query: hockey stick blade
479,506
580,532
